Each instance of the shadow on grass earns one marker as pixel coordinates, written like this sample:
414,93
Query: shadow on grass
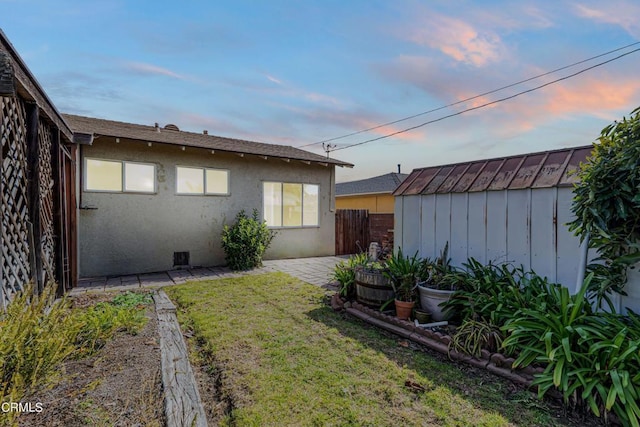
481,388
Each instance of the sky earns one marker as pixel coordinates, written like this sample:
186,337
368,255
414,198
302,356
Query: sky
302,72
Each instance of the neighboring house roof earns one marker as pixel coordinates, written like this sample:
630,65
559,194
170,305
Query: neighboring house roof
171,135
375,185
534,170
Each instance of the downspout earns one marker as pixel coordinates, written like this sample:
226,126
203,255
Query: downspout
582,266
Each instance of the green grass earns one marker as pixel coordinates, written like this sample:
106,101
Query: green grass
285,358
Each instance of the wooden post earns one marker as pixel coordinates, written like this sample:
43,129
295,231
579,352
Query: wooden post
59,228
33,182
7,88
7,78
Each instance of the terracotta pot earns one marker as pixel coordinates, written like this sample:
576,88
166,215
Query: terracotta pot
404,309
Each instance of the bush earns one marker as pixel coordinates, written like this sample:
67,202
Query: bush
606,206
246,241
591,358
36,334
496,293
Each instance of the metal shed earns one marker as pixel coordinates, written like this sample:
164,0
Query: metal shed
512,209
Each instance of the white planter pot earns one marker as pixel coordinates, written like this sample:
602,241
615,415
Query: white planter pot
430,300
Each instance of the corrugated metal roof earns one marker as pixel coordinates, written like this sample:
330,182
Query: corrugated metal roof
533,170
165,135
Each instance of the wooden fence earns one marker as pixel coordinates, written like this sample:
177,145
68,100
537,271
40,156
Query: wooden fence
352,231
357,228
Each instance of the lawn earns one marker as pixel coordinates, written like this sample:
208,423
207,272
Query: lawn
281,356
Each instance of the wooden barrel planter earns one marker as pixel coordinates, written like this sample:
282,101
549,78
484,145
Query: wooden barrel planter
373,288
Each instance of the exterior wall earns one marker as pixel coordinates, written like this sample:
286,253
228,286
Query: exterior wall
374,203
525,227
517,226
380,227
127,233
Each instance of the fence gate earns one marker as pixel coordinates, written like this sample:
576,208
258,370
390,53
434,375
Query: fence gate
352,229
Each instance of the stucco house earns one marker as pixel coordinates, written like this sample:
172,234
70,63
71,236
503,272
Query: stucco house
155,198
373,194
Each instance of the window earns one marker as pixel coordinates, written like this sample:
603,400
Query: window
202,181
290,204
119,176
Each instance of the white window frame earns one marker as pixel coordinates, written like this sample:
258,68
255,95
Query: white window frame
281,226
123,177
204,181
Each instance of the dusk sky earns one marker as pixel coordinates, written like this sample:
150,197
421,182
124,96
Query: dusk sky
300,72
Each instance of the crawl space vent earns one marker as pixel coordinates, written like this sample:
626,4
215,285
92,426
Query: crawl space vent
181,259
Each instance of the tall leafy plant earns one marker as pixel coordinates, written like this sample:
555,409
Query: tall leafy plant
403,273
246,241
497,292
583,359
607,205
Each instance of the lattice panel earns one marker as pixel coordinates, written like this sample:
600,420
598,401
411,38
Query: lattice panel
45,181
15,211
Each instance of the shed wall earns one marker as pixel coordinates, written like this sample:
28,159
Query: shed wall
127,233
516,226
523,227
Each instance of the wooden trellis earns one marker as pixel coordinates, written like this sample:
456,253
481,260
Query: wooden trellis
38,203
16,266
46,204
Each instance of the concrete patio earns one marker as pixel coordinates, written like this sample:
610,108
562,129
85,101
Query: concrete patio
315,270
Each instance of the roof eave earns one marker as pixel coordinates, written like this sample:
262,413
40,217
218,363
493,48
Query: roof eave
83,136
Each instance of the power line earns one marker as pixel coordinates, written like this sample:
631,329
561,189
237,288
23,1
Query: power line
471,98
488,103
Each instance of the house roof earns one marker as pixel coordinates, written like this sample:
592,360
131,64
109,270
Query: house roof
534,170
377,184
171,135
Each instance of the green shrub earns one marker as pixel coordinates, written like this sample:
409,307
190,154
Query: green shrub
497,292
36,334
606,204
591,358
475,335
246,241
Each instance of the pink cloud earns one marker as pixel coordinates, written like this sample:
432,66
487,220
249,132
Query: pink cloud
457,39
621,13
598,97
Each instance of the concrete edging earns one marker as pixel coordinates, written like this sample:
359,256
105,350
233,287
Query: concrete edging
182,403
496,363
